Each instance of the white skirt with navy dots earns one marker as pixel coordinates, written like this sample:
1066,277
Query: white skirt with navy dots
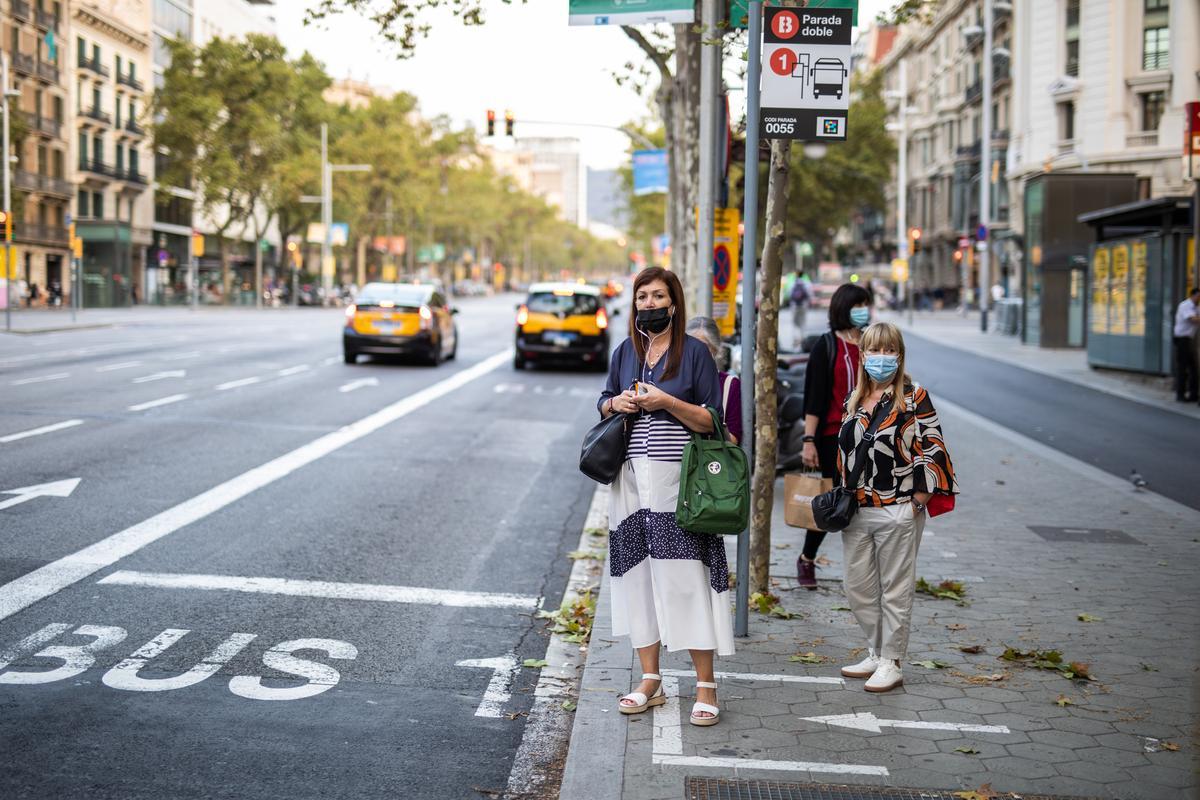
668,585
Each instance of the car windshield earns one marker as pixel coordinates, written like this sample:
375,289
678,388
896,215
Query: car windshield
398,294
562,303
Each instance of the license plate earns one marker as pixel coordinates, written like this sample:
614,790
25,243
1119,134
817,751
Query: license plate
560,339
385,327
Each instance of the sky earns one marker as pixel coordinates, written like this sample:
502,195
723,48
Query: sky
526,58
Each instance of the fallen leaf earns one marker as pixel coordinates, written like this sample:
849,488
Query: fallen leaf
1162,563
581,555
568,705
1170,746
783,546
973,649
929,664
1149,668
982,793
516,714
841,608
822,561
1089,618
534,663
982,680
1063,701
968,750
809,658
956,626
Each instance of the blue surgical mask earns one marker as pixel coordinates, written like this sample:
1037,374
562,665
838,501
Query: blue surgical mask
860,317
881,368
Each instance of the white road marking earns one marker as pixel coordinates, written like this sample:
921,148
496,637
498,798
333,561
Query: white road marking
293,370
58,376
499,688
221,387
358,384
320,677
75,659
32,642
330,360
668,743
948,554
183,356
324,589
62,488
122,365
125,674
754,676
68,570
58,426
159,376
869,722
162,401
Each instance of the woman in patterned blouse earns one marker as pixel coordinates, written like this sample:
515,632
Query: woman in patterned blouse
904,466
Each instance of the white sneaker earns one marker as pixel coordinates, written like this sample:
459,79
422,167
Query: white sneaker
887,677
863,669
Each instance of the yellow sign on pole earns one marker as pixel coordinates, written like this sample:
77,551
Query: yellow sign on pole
197,244
900,269
726,240
13,263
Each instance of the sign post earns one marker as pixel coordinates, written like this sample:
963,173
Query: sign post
805,74
1191,167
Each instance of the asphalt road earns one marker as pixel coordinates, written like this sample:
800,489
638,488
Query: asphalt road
1108,432
399,520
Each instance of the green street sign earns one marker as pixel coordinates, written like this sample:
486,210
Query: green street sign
740,9
630,12
431,254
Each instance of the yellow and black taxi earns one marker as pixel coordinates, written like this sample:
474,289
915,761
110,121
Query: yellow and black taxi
562,322
400,319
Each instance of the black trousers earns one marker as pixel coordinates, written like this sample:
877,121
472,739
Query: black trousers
827,458
1185,368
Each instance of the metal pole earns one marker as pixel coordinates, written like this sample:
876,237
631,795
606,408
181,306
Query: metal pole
985,173
73,280
8,293
902,189
749,292
1195,234
708,152
326,216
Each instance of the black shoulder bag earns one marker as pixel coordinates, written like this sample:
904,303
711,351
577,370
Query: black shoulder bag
833,510
604,447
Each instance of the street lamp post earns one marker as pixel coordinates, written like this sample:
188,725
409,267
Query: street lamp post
902,186
4,95
326,201
985,173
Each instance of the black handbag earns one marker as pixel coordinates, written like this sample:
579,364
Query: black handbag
604,447
833,510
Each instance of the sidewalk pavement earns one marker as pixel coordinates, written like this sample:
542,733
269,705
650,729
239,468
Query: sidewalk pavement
1054,554
952,329
54,320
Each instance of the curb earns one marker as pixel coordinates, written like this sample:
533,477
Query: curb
549,723
595,767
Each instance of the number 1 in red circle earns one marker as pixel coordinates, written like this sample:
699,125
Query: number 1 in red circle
783,61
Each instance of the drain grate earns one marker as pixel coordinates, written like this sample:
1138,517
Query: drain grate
1083,535
720,789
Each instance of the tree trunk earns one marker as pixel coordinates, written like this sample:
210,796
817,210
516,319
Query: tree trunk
258,271
684,138
766,430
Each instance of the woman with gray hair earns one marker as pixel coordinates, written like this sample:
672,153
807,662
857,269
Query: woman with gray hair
705,329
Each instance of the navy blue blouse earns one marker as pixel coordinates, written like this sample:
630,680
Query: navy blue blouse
696,382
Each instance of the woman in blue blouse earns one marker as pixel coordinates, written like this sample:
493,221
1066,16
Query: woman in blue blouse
669,587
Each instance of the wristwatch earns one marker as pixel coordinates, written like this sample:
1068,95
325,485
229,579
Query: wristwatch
918,507
808,438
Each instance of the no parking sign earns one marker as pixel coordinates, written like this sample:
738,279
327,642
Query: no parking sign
725,268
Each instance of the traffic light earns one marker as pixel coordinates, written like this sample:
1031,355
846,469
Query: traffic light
914,239
6,219
508,123
293,249
491,122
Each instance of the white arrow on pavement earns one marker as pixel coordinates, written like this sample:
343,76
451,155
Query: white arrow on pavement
869,722
158,376
358,384
27,493
498,693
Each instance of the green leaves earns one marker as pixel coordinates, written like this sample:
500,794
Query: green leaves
581,555
971,751
573,619
534,663
946,590
767,603
1051,660
809,658
930,664
568,705
1089,618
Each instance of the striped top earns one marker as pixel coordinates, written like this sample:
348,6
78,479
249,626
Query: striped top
657,439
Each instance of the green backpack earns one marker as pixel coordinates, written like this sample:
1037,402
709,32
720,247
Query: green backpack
714,484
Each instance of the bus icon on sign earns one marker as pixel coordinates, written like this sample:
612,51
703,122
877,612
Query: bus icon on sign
831,126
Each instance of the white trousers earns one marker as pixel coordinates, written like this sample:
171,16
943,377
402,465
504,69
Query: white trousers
880,547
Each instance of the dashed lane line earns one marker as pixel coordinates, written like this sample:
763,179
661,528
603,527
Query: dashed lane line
162,401
58,376
121,365
58,426
283,373
52,578
223,387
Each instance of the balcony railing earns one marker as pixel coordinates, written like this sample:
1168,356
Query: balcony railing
1142,139
45,19
1156,60
21,10
974,91
24,64
132,127
1001,70
25,181
95,166
133,175
47,71
97,115
131,82
46,184
94,65
972,151
37,232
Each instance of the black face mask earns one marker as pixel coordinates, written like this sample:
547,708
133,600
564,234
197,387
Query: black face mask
654,320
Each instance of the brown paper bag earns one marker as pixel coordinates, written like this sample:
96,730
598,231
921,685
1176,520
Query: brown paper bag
799,488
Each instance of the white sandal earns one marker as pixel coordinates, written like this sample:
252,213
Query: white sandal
705,708
643,702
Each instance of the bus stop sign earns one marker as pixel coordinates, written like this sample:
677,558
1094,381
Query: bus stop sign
805,74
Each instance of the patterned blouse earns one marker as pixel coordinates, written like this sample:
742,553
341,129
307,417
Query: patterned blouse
907,456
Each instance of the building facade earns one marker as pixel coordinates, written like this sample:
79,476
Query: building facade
41,188
110,147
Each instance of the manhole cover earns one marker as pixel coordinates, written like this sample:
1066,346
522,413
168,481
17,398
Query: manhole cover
1083,535
716,789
